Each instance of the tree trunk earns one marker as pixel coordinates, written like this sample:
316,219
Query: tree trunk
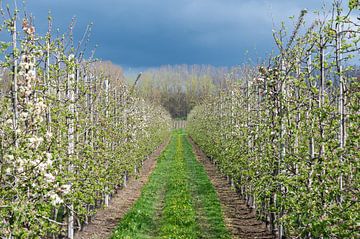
71,136
342,110
15,83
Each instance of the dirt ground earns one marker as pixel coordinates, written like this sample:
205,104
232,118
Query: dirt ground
239,218
106,219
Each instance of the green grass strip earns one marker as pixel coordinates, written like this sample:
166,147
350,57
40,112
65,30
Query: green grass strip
179,217
179,200
208,207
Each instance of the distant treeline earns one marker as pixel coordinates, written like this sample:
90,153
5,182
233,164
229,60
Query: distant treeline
179,88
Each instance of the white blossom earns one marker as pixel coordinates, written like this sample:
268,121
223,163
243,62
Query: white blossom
48,135
24,115
8,171
42,166
55,199
20,169
65,188
9,121
48,155
9,157
34,142
49,178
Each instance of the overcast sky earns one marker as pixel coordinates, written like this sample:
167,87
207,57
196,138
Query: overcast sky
148,33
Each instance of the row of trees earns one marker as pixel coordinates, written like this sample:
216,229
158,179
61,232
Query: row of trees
71,132
179,88
287,135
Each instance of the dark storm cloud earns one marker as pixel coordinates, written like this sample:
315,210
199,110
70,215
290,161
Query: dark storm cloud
142,33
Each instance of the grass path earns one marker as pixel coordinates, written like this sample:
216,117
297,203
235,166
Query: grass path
208,207
179,200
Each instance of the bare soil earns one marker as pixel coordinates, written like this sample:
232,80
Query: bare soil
106,219
239,218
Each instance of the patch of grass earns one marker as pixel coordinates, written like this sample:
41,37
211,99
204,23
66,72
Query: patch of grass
179,200
179,217
208,207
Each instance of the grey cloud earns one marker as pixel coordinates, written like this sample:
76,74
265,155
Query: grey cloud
141,33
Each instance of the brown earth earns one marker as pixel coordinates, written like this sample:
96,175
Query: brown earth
239,218
106,219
